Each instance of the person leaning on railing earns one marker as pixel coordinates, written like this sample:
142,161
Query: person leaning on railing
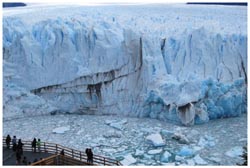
38,143
62,152
8,140
33,144
14,143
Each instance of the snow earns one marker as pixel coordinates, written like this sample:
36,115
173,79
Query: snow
61,130
173,62
155,139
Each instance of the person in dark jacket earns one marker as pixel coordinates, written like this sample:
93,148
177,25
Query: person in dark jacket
91,156
62,152
87,153
34,145
20,146
8,140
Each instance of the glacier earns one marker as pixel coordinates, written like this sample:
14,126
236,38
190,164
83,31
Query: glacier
181,63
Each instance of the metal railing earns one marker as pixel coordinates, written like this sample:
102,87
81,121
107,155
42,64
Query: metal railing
55,149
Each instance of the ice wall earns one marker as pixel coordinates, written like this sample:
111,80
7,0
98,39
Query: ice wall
73,65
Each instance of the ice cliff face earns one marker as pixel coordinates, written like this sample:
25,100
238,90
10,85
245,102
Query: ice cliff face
92,60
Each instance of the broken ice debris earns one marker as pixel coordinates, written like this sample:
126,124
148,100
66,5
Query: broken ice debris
61,130
181,138
156,140
199,161
128,160
235,151
165,156
116,124
112,134
154,151
186,151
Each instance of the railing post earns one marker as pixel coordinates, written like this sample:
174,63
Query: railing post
72,153
80,156
104,161
44,147
56,149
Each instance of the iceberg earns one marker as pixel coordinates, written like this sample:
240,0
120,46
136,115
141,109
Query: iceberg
128,62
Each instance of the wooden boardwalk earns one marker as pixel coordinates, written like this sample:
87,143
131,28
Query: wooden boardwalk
76,157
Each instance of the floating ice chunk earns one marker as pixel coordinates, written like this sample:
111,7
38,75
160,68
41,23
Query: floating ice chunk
79,132
112,134
167,133
199,161
215,159
128,160
190,162
243,140
155,139
138,152
197,148
179,158
116,124
61,130
155,151
168,164
108,150
206,141
235,151
181,138
165,156
186,151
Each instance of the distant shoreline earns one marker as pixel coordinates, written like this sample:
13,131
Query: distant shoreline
13,4
217,3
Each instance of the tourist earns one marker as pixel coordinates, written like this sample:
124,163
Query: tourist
91,156
14,143
34,145
20,146
88,156
62,152
8,140
38,143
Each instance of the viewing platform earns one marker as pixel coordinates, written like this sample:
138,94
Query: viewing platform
50,155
